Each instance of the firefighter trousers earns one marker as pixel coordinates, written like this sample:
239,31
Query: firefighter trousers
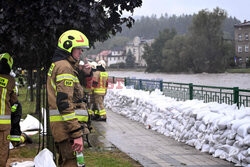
4,147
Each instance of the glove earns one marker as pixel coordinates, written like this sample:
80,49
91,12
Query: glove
78,145
14,107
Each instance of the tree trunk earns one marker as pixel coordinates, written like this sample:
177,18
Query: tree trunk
38,91
30,76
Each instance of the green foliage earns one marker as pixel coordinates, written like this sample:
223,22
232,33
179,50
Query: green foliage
153,55
130,59
149,27
202,49
30,29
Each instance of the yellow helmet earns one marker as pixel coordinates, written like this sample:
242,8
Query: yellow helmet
73,39
8,57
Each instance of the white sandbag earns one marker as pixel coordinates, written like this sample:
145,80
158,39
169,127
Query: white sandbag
222,124
231,135
237,123
219,153
30,123
230,142
243,129
233,151
246,140
205,148
211,150
23,164
44,158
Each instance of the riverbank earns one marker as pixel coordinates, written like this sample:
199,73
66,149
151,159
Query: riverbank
240,70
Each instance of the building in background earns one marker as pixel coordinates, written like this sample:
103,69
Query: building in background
103,55
241,33
117,56
137,49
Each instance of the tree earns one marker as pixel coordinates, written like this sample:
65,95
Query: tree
153,55
173,55
29,30
130,59
206,39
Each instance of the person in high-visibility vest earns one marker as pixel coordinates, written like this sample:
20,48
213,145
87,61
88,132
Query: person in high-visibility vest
8,99
100,82
64,96
89,90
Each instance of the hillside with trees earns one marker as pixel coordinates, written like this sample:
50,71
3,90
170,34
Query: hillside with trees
202,49
149,27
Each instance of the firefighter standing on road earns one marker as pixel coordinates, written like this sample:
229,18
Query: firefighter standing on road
100,84
62,85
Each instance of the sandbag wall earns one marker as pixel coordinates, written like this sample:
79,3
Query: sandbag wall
219,129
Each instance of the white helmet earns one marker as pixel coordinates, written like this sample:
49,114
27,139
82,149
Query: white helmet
93,64
102,63
81,63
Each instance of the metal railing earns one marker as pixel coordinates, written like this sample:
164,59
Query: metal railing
188,91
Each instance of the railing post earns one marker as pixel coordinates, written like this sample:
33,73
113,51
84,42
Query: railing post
191,91
236,95
113,80
161,85
140,84
125,81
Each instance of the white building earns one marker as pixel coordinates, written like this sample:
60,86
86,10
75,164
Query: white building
137,49
117,56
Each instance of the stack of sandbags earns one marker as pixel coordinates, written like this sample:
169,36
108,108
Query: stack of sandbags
219,129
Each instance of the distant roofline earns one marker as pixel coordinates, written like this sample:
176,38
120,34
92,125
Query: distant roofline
245,23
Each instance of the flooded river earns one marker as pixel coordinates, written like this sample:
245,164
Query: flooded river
224,79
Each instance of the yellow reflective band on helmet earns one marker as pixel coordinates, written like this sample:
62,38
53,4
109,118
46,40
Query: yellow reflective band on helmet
68,117
3,98
8,57
51,69
102,112
66,76
3,82
73,39
68,83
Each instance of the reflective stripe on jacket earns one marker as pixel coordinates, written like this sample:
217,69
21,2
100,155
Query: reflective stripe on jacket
8,98
102,79
81,115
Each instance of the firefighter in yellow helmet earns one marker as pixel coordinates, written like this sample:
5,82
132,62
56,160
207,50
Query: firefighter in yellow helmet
100,83
92,105
63,90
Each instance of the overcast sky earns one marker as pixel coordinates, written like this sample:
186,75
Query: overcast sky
238,8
